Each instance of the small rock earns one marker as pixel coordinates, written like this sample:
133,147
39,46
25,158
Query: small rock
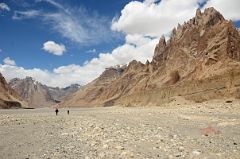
181,149
178,155
196,152
105,146
123,153
119,147
154,148
101,155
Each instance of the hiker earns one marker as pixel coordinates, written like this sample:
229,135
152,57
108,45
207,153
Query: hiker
56,110
68,112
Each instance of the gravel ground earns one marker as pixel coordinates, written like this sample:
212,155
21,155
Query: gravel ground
207,130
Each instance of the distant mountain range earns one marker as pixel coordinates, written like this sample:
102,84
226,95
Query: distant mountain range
39,95
200,61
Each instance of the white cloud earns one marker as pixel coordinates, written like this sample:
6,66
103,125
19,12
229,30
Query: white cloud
66,75
4,6
125,53
52,2
19,15
91,51
54,48
142,22
0,50
75,24
8,61
137,39
154,18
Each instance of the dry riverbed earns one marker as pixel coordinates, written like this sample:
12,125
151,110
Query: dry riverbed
207,130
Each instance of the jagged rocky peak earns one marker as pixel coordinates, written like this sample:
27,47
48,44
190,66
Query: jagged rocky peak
193,63
29,78
112,72
209,17
134,65
15,79
147,63
160,47
26,79
118,68
198,13
72,87
189,35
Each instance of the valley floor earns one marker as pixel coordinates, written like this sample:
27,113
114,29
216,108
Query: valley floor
207,130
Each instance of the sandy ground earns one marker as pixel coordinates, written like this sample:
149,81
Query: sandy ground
208,130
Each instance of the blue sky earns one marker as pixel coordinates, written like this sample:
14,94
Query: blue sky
61,42
22,39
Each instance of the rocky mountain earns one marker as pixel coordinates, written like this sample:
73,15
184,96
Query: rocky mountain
58,94
8,97
87,95
200,61
39,95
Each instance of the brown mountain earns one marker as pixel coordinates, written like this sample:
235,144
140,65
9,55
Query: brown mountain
200,61
39,95
58,94
87,95
8,97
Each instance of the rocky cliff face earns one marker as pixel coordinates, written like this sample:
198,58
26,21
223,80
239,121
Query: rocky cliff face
200,61
8,97
39,95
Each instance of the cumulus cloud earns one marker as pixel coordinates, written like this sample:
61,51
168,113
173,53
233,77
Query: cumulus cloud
8,61
75,24
142,22
65,75
126,53
54,48
4,6
154,18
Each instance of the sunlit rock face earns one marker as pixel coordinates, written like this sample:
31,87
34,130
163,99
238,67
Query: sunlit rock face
8,97
200,61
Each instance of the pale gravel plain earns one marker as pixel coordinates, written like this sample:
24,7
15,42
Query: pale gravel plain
122,132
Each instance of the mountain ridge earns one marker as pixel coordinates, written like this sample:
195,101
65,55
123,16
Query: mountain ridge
39,95
199,62
8,97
